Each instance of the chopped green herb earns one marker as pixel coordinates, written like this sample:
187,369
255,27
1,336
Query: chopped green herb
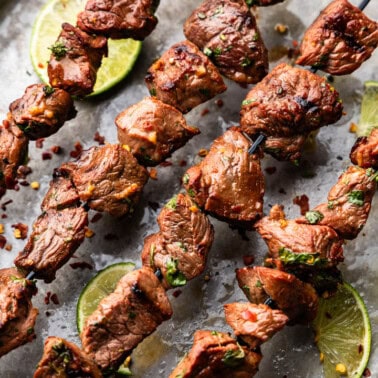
250,2
153,92
258,283
48,90
182,246
217,51
191,192
356,197
314,217
59,50
246,288
331,204
185,179
248,101
233,358
214,333
246,62
222,37
207,51
255,37
172,203
287,256
174,276
30,331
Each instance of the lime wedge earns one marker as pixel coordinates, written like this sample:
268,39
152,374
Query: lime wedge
343,333
121,57
101,285
369,109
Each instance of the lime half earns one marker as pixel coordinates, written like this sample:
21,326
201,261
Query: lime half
101,285
369,109
47,26
343,333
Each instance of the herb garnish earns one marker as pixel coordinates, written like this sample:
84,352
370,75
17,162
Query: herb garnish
233,358
174,276
59,50
356,197
287,256
314,216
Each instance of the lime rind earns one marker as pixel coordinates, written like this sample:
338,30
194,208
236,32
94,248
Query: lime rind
369,109
343,332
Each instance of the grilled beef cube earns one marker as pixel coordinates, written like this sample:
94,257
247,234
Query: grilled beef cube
254,324
184,77
227,32
293,243
285,148
298,300
349,203
124,318
365,151
119,18
56,236
153,130
17,315
75,58
181,247
216,354
339,40
61,194
13,153
42,110
108,178
228,183
62,359
289,101
259,3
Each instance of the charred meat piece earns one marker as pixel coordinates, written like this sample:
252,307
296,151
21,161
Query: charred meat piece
254,324
181,247
119,18
75,58
312,245
227,32
56,236
349,203
153,130
124,318
339,40
216,354
17,315
289,101
365,151
42,110
285,148
228,183
61,194
259,3
62,359
298,300
13,153
108,178
184,77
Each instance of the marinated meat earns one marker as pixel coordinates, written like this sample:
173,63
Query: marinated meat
226,31
285,148
184,77
62,359
293,243
298,300
119,18
56,236
13,153
254,324
17,314
61,194
228,183
259,3
75,59
349,203
339,40
181,247
365,151
216,355
108,178
153,130
124,318
289,101
42,110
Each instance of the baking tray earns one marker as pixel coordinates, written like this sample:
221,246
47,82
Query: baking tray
290,353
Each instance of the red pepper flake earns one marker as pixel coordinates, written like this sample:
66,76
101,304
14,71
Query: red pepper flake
39,143
47,297
78,149
4,205
99,138
111,237
54,299
153,174
366,373
302,202
219,103
22,228
3,241
81,265
96,217
3,216
46,155
166,163
248,259
183,163
177,293
270,170
205,111
8,247
40,65
56,150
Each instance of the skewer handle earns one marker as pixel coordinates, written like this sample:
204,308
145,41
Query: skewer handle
363,4
256,143
30,275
